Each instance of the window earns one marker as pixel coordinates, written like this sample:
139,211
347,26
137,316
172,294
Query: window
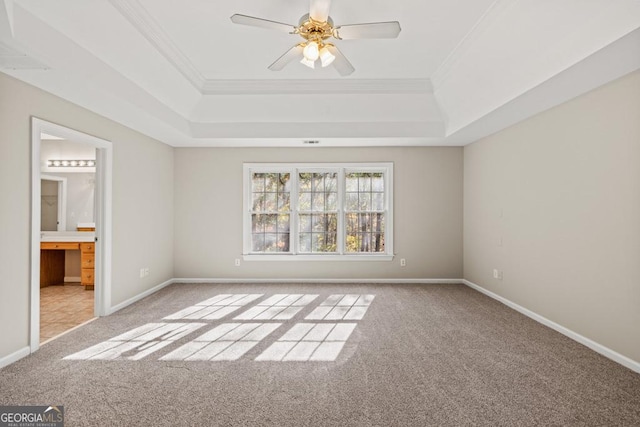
318,211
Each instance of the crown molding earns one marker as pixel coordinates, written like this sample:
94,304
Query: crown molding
144,23
493,13
140,18
324,86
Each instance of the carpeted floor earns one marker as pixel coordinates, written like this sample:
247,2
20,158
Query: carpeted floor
411,355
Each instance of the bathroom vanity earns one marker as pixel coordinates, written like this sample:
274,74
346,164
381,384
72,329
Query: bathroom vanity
53,246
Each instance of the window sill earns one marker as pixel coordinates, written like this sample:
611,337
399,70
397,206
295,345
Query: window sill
296,258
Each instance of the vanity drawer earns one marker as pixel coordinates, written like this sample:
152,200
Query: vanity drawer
87,276
60,245
88,247
87,260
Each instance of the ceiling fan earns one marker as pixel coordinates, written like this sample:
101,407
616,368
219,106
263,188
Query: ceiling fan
316,27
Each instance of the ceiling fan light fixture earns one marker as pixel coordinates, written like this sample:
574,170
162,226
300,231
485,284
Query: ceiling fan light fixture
326,57
311,51
309,63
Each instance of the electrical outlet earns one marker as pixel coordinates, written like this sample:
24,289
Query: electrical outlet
403,262
497,274
141,273
237,263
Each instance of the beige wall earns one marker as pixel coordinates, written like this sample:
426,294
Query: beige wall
562,190
427,226
142,203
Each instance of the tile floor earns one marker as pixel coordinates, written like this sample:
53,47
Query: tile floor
62,307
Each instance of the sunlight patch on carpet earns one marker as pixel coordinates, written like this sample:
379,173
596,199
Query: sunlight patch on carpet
318,341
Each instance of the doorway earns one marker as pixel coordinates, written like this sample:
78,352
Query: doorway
71,230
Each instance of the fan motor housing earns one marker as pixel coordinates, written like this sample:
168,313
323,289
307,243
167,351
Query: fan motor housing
310,29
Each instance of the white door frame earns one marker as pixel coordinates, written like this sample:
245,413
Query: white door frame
103,219
62,199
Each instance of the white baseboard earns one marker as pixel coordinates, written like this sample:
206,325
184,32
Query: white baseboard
307,280
72,279
138,297
598,348
14,357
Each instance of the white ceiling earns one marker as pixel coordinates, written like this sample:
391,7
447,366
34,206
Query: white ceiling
183,73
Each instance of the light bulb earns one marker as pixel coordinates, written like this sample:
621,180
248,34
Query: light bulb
65,163
326,57
91,163
73,163
311,51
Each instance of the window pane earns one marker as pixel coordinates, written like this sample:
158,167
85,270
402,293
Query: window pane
318,202
283,242
365,232
304,182
364,201
324,234
257,223
270,240
304,223
377,183
352,182
283,223
364,182
257,182
351,202
331,183
377,201
270,222
283,202
305,202
305,242
257,242
271,182
331,201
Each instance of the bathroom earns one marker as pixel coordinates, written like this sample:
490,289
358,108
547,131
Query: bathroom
67,235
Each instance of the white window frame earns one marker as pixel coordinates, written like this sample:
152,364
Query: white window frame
293,169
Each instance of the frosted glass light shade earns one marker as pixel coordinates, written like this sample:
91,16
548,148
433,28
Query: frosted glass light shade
311,51
309,63
326,57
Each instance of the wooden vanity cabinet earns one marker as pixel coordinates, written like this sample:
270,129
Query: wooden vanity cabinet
87,262
52,262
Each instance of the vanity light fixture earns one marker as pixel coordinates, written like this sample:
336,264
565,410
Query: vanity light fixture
71,163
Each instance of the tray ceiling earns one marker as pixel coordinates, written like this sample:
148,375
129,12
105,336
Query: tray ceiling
184,74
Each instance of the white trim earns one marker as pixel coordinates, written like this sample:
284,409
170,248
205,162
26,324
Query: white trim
598,348
103,219
72,279
318,257
14,357
184,280
319,86
138,297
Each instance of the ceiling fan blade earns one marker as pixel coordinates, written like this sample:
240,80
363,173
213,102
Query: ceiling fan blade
374,30
320,10
341,63
263,23
293,53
